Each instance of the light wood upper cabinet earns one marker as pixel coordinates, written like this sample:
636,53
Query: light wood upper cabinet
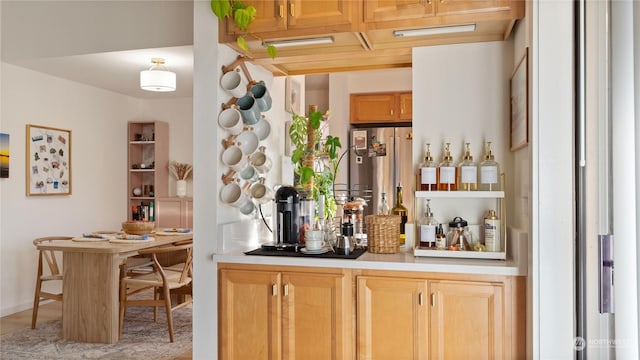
449,7
405,106
467,320
274,16
392,318
272,314
380,108
270,16
384,10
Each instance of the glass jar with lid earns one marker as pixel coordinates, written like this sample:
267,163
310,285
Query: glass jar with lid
458,236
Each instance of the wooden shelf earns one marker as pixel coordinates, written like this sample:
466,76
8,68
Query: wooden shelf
460,194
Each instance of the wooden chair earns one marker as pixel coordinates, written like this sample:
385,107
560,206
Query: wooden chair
54,274
162,280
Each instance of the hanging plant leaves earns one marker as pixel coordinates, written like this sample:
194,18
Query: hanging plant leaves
271,50
221,8
242,43
243,17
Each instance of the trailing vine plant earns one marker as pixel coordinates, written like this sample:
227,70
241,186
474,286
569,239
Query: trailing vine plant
242,15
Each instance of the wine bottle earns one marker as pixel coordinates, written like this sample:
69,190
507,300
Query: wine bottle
402,211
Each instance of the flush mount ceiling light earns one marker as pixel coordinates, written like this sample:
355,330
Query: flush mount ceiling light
157,78
300,42
435,30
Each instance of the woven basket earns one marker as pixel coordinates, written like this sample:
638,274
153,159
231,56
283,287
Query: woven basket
383,233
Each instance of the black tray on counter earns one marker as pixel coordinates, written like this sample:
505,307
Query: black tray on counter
328,255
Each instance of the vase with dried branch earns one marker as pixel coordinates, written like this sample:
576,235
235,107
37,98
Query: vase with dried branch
182,172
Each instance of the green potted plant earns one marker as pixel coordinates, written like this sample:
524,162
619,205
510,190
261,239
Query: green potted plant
315,160
242,15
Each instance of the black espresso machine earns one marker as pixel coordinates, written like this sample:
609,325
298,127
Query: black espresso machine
286,234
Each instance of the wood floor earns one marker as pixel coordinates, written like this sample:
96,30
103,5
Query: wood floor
50,311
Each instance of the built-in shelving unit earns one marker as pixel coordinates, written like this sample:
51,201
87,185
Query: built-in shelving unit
147,164
464,198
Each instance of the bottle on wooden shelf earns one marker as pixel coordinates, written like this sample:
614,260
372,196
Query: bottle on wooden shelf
427,172
467,172
427,229
489,171
447,171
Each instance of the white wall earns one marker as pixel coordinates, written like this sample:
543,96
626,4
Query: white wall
178,113
274,143
552,207
98,123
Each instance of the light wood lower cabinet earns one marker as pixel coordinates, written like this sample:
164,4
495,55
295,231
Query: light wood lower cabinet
268,314
466,320
392,318
429,318
174,212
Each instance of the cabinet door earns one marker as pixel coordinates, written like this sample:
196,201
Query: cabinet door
270,16
318,14
466,320
316,316
406,107
188,213
373,108
385,10
249,310
450,7
392,318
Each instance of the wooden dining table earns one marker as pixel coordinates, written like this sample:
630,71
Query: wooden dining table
91,283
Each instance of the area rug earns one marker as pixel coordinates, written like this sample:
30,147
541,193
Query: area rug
141,339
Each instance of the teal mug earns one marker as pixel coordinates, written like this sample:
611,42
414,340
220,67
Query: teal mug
261,94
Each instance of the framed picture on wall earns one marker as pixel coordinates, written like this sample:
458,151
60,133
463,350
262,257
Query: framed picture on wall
519,105
292,98
48,154
4,156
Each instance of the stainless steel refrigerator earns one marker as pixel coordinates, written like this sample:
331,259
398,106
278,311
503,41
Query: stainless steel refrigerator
379,159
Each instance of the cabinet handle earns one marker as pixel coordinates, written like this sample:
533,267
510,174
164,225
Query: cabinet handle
420,299
433,299
429,2
292,10
391,112
285,289
281,10
402,111
274,290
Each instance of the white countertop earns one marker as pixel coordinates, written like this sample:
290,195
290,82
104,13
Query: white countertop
233,252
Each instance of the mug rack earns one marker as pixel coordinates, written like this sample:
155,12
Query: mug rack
230,175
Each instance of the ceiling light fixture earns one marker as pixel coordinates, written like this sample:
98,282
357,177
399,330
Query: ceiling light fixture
300,42
435,30
157,78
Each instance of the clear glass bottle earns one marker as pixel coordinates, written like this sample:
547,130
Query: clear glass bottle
447,171
467,172
459,237
383,207
399,209
489,171
427,172
428,227
441,238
